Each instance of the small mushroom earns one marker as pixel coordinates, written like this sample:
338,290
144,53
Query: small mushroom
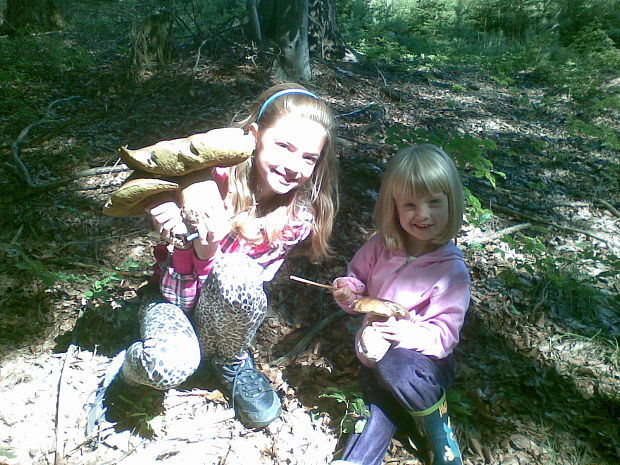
373,344
380,307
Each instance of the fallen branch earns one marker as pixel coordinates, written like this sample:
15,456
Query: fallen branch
307,338
501,233
356,112
59,443
99,171
536,219
613,210
19,168
364,142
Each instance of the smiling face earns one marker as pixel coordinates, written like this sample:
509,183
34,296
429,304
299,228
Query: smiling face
286,154
423,218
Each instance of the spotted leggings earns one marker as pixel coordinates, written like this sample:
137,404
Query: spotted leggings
230,309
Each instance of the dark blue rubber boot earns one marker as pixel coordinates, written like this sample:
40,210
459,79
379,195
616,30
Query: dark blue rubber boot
434,424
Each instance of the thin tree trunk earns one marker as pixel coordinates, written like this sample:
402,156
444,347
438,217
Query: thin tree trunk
293,43
252,6
285,24
33,15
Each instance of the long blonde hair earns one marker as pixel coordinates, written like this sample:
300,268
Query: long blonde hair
319,193
418,171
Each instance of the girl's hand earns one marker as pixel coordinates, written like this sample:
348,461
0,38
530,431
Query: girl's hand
344,295
204,209
397,330
167,220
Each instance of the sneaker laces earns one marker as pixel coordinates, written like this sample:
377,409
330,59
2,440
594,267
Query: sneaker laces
249,383
243,377
229,371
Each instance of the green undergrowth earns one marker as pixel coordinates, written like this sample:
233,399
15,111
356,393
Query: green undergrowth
570,287
28,65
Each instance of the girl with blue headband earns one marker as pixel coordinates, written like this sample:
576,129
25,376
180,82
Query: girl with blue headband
209,299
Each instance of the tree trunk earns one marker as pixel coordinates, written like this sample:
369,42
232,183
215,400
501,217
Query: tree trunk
151,44
298,28
2,14
32,15
324,37
285,23
252,7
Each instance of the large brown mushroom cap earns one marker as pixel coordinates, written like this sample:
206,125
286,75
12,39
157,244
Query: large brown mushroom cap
178,157
133,196
162,167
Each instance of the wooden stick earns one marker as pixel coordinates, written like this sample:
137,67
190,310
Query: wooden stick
312,283
501,233
614,211
61,401
543,221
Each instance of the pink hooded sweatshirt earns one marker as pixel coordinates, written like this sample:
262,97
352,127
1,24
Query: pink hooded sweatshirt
435,288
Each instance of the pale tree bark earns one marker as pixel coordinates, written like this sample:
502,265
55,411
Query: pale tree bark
296,29
285,23
252,7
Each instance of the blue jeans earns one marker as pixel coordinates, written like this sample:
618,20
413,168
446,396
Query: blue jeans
402,381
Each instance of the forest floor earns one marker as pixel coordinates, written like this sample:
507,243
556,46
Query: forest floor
538,365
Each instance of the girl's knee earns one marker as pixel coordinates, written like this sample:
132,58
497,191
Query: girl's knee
414,379
161,364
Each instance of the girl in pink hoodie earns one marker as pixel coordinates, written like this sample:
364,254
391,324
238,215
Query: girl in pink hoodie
411,261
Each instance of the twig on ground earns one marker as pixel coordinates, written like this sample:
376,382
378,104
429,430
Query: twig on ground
19,168
536,219
366,142
501,233
307,338
59,443
125,455
355,112
613,210
39,189
198,55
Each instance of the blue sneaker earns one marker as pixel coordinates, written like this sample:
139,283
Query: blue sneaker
255,402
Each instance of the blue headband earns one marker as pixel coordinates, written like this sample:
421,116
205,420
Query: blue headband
280,94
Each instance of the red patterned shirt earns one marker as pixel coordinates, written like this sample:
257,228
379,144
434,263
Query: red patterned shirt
181,273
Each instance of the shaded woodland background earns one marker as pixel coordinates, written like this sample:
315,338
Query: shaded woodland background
525,95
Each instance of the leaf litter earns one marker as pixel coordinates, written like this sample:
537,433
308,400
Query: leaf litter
537,383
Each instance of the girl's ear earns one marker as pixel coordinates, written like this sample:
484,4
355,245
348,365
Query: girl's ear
253,129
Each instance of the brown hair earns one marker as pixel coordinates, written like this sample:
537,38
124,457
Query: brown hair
319,194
